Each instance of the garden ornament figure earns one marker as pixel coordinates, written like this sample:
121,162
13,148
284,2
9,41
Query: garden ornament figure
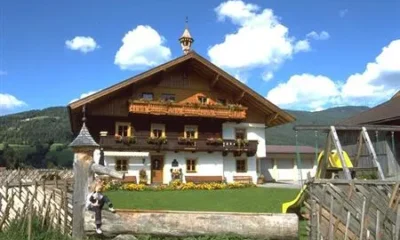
96,201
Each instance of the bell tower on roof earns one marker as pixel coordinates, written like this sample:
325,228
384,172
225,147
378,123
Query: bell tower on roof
186,39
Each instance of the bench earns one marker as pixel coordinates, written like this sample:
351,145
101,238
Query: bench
203,179
243,179
129,179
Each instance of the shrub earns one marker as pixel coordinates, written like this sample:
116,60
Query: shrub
178,185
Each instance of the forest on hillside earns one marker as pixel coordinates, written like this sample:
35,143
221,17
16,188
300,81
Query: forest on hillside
40,138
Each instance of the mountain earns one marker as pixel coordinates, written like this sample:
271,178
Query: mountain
52,124
36,126
285,135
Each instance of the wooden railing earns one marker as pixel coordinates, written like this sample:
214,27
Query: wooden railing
190,110
173,144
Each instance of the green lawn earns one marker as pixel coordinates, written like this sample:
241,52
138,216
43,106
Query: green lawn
229,200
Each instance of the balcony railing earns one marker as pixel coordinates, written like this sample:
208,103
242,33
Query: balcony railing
188,109
179,144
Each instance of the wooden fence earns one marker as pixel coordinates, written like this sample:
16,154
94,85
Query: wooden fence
355,209
32,175
51,200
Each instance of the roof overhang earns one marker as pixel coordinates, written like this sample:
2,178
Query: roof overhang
273,114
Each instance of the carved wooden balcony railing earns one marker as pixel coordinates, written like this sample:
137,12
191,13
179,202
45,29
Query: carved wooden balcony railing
188,109
175,144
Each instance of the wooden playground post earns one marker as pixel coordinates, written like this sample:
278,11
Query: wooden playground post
84,170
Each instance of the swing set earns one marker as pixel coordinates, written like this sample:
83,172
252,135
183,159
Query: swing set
338,164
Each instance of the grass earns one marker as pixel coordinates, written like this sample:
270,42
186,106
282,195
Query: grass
268,200
229,200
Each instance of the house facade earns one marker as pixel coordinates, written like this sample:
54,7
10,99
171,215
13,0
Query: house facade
186,119
281,163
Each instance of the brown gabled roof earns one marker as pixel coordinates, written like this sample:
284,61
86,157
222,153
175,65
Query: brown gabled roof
274,113
289,149
385,112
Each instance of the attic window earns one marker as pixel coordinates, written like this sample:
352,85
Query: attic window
168,97
147,96
221,101
202,99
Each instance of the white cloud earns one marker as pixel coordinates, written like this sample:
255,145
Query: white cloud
268,76
83,95
343,12
304,90
302,46
8,102
319,36
142,47
3,73
379,81
260,40
83,44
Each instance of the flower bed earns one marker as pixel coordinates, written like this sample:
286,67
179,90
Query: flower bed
175,185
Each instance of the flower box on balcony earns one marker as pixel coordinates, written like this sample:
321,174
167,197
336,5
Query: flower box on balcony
186,141
157,140
242,142
129,140
214,141
193,109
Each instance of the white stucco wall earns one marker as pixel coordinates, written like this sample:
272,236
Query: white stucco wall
135,163
208,164
255,131
230,168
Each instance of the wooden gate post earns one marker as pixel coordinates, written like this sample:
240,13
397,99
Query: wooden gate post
84,170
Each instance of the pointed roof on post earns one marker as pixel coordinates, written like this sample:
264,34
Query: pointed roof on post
84,139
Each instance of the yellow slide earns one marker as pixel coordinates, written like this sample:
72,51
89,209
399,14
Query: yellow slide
334,161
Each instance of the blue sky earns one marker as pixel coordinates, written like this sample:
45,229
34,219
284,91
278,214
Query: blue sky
308,55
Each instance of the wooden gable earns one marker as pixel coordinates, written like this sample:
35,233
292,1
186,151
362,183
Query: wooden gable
187,77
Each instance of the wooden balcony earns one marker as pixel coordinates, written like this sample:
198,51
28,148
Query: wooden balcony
188,109
175,144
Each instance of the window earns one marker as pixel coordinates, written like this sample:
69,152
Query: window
240,133
147,96
157,130
241,165
121,165
191,131
168,97
123,129
221,101
191,165
202,99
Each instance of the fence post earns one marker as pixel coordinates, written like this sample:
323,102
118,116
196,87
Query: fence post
314,221
84,168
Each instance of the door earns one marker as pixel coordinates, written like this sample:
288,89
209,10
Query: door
285,169
267,168
157,165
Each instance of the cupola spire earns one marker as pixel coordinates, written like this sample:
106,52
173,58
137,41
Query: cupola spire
186,39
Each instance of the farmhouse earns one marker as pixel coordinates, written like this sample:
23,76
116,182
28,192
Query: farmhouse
186,119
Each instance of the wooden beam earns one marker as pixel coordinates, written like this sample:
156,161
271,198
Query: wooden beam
324,162
393,128
372,152
270,118
339,149
359,148
240,97
214,81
